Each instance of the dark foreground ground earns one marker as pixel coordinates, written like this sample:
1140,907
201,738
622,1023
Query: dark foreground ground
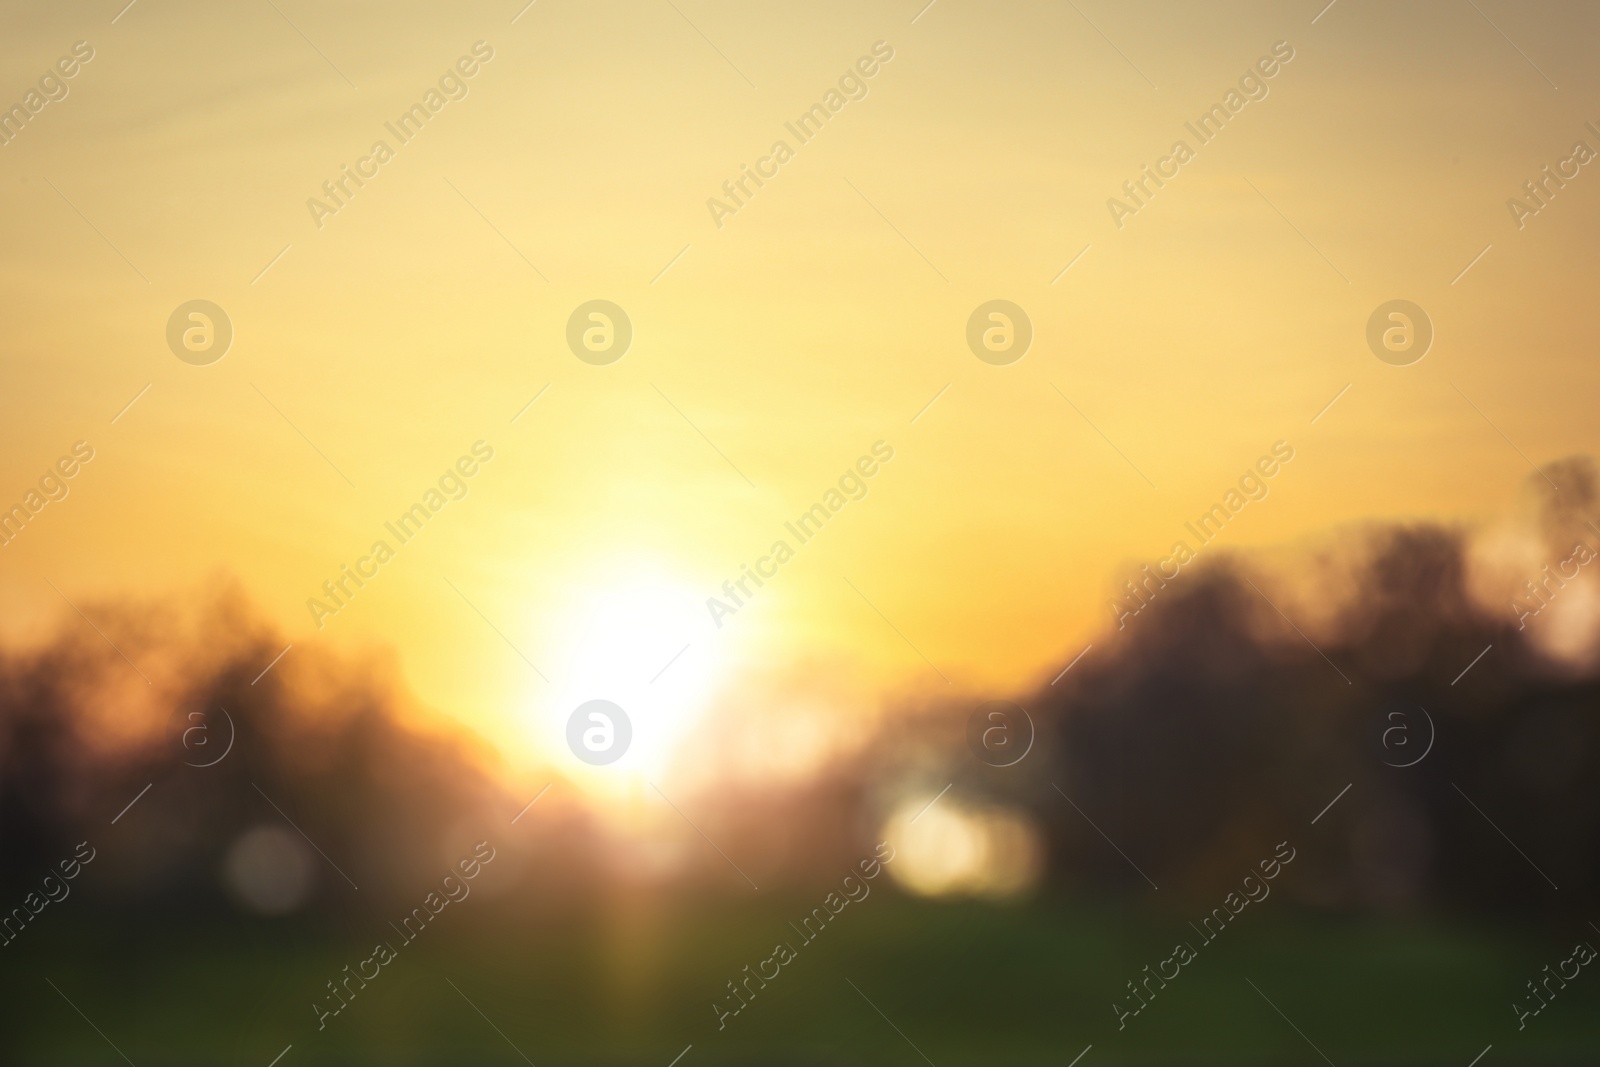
891,981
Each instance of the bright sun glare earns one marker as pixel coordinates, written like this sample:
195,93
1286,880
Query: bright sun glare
639,641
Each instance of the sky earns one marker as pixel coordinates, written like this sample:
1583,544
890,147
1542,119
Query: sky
1175,341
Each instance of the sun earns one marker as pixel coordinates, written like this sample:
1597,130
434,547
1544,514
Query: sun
640,640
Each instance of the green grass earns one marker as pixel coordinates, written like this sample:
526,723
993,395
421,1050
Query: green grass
633,983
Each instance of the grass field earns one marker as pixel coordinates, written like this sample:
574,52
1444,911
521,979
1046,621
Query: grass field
634,983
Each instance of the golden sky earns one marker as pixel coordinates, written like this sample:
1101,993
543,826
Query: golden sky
769,353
